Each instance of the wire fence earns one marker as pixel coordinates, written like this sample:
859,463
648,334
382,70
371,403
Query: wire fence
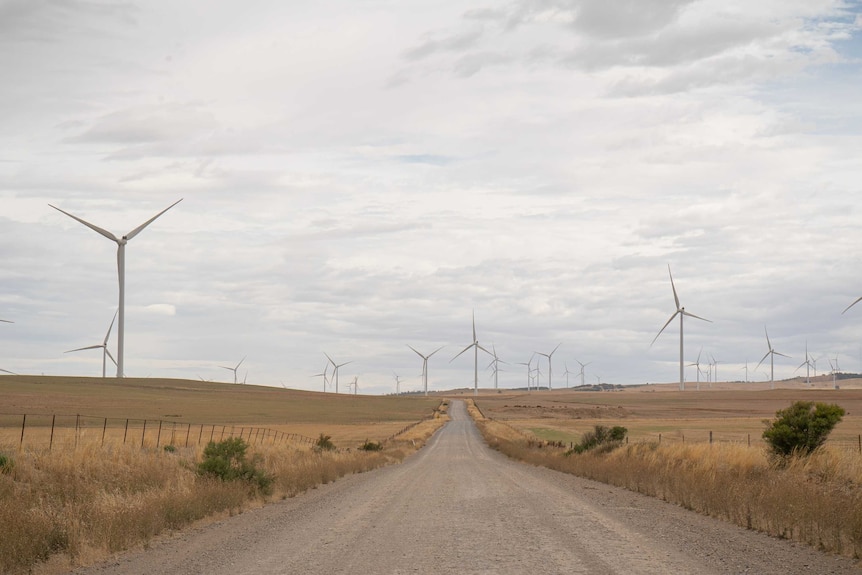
49,431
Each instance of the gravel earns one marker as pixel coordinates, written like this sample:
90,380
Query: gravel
458,507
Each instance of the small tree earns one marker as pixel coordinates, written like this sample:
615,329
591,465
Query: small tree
324,443
226,460
602,439
801,428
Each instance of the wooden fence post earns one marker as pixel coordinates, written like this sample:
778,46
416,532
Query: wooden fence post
143,434
126,431
159,434
188,431
710,437
77,423
51,441
104,427
23,425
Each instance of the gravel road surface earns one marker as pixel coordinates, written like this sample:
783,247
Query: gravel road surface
459,507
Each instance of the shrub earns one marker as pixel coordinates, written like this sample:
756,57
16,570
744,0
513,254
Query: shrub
226,460
170,449
324,443
601,438
6,464
371,446
801,428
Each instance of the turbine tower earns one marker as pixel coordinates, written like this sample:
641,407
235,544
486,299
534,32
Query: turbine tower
680,311
496,363
549,356
397,384
425,364
476,347
696,364
103,346
529,370
335,367
233,369
807,364
581,373
771,355
121,272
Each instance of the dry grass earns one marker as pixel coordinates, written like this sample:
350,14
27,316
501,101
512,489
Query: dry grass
83,501
817,500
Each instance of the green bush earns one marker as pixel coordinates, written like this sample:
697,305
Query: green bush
601,438
6,464
170,449
226,460
801,428
371,446
324,443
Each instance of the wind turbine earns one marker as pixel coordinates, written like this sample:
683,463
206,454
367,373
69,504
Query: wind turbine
233,369
680,311
355,384
549,356
323,375
835,368
715,365
397,384
425,364
696,364
583,365
495,362
335,367
746,370
567,373
103,346
771,354
529,370
476,347
121,272
807,364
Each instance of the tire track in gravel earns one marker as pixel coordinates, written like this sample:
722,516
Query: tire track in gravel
458,507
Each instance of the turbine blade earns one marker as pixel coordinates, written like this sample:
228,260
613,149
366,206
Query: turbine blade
240,363
110,327
851,305
83,348
689,314
663,327
6,321
9,372
138,229
462,351
95,228
483,349
555,349
781,354
673,287
111,356
474,326
435,351
414,349
329,358
762,360
768,344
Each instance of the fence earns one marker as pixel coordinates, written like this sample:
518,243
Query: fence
32,430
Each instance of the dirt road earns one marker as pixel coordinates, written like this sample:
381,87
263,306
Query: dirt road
458,507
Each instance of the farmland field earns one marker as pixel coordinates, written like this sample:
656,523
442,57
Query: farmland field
732,412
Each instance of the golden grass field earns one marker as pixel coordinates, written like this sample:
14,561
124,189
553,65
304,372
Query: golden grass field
348,419
732,411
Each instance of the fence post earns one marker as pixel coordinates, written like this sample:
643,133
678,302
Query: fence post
159,434
51,441
659,438
23,425
126,431
104,427
212,433
860,444
188,431
77,423
710,437
143,434
201,434
749,440
222,432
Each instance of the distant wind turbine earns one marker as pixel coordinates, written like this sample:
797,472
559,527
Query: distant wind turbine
746,370
807,364
323,375
529,370
581,372
567,373
696,365
121,272
715,365
335,367
476,347
103,346
680,311
496,363
233,369
771,355
549,356
425,359
397,384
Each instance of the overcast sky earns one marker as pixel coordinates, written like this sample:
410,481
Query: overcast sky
359,176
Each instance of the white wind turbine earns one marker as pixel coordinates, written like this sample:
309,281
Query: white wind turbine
496,363
397,384
696,364
746,370
335,367
567,373
549,356
529,370
581,372
425,359
771,355
121,272
233,369
323,375
476,347
103,346
715,365
807,364
680,311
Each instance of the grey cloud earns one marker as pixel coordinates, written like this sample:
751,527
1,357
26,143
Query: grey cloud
47,20
472,64
452,43
150,124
